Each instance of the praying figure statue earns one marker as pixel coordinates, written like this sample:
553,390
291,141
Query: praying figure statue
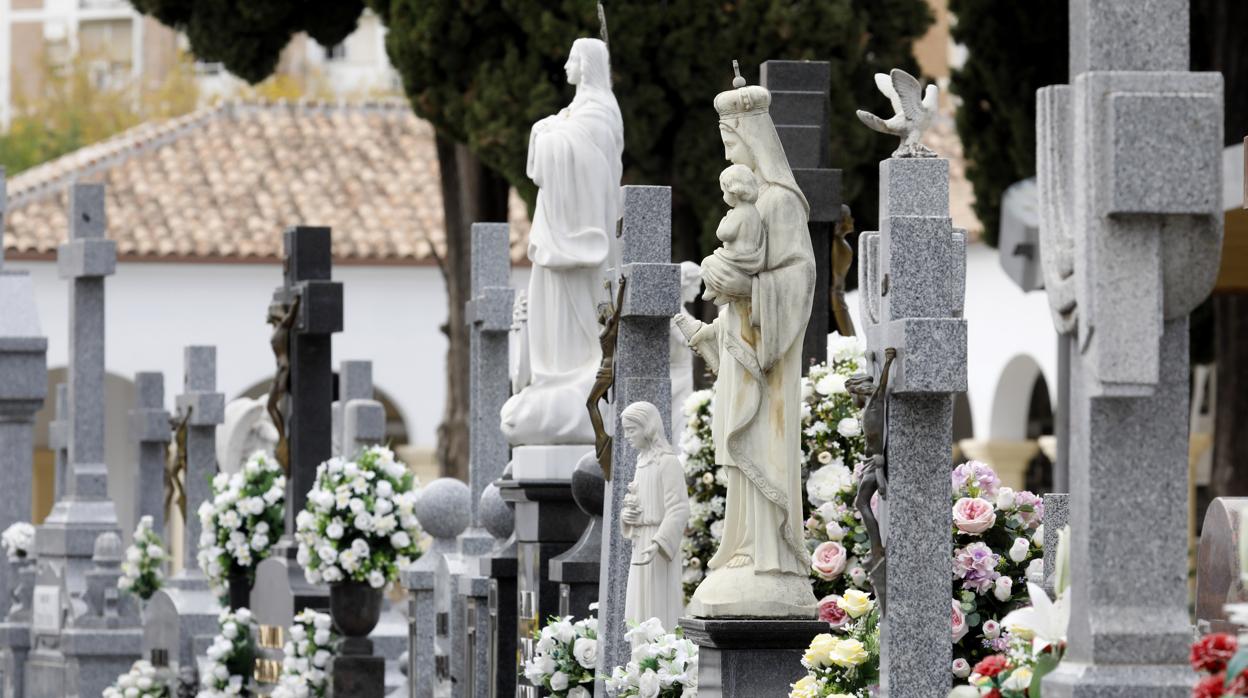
653,517
574,159
755,348
680,358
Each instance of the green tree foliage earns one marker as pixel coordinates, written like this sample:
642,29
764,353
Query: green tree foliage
1014,48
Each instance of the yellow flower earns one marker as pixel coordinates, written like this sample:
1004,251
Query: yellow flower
817,654
855,603
807,687
848,654
1019,679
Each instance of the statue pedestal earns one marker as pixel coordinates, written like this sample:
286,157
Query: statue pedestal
547,462
748,657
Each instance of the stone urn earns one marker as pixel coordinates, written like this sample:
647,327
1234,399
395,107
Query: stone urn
240,587
355,608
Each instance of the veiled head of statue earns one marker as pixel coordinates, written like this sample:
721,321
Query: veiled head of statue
593,64
643,427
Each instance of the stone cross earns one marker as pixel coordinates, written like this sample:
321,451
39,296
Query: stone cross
489,319
107,634
149,426
23,387
799,109
912,274
203,408
355,382
58,439
651,298
1130,176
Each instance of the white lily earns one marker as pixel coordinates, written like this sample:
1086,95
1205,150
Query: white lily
1045,620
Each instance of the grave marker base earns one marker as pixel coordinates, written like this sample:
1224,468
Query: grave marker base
746,658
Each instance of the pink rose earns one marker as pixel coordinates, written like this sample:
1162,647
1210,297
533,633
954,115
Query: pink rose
828,560
831,613
959,621
974,515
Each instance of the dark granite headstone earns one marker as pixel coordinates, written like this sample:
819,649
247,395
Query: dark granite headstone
577,570
748,658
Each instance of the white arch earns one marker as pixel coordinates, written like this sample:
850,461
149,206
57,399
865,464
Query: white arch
1011,401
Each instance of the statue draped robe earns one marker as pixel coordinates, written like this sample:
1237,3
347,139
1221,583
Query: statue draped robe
654,589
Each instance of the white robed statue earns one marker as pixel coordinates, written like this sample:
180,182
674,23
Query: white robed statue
574,158
755,348
653,517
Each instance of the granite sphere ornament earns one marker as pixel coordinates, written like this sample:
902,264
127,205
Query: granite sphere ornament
444,509
497,516
108,549
589,485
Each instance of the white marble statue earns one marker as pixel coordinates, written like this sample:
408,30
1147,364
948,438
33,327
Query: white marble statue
653,517
913,111
680,359
247,428
574,158
755,348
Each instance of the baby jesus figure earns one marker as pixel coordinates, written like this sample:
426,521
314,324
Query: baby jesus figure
741,229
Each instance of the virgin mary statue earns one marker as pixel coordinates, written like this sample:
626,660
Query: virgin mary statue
755,348
574,159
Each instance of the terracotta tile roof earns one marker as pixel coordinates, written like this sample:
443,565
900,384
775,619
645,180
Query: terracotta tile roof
223,182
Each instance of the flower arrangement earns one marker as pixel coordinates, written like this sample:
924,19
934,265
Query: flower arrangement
142,681
846,664
358,524
565,656
307,653
708,490
1213,655
142,573
18,540
241,522
230,656
998,544
663,665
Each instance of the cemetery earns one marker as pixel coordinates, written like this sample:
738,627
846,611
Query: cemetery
776,391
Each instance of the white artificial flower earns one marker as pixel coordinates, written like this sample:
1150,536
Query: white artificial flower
385,490
400,539
376,579
1020,549
1037,538
558,681
1045,620
848,427
1003,588
830,384
1005,498
585,650
1035,571
335,529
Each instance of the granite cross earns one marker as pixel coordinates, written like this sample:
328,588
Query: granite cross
912,274
799,109
651,298
355,382
1129,170
58,440
203,408
149,426
23,387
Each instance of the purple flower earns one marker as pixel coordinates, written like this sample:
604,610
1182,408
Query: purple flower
1025,498
976,566
975,474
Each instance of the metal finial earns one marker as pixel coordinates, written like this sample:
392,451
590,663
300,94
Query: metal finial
738,81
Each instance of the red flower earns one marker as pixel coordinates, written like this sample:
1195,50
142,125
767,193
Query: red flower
994,693
1239,686
1211,652
991,666
1209,687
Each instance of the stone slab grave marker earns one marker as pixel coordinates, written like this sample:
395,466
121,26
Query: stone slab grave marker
1219,570
23,387
103,637
1130,179
912,274
58,440
651,298
65,542
181,618
149,426
489,319
308,306
579,570
499,566
355,382
799,109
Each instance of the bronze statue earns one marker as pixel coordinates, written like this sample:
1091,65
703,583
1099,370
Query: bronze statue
282,317
609,318
842,259
872,399
175,468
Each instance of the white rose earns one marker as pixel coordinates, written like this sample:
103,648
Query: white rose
400,539
585,650
559,681
321,621
321,637
648,684
327,554
320,659
1005,498
334,530
830,384
848,427
1038,537
385,489
1018,551
363,522
376,579
360,547
579,692
1003,588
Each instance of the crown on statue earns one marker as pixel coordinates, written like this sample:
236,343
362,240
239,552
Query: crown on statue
742,100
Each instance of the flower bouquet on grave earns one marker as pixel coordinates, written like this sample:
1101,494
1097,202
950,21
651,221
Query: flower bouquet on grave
663,665
845,665
307,653
18,540
358,525
241,523
142,681
708,489
998,546
230,656
565,656
142,572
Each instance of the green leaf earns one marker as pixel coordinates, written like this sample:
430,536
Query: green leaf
1045,664
1237,665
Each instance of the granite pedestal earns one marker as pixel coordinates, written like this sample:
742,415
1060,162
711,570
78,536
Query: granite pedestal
750,658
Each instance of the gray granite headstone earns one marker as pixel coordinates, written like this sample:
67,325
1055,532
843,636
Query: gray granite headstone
1130,178
103,640
1018,241
355,382
912,273
58,440
23,387
15,630
1056,517
642,355
499,518
149,426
